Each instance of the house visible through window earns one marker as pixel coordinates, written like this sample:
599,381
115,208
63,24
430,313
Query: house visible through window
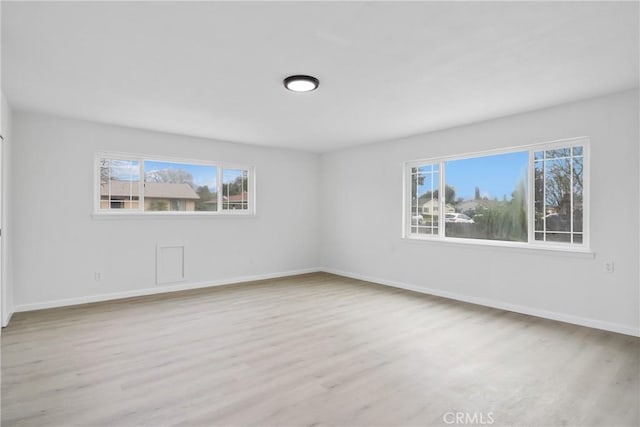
119,182
171,186
486,197
425,185
534,195
235,195
178,187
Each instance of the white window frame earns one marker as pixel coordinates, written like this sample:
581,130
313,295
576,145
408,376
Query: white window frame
531,243
140,212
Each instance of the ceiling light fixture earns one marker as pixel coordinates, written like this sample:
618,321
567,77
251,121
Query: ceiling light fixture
301,83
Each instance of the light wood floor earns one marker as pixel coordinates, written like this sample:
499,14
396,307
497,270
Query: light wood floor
310,350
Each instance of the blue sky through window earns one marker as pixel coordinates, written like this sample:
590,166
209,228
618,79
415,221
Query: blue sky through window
495,175
202,174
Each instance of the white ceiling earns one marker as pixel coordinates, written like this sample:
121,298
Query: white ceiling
387,69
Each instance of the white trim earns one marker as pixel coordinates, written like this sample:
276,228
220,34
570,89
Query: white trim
551,315
7,317
501,305
170,214
559,143
4,303
586,193
168,159
406,200
442,199
531,198
158,290
551,247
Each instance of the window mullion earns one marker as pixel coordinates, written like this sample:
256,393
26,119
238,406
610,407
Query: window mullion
220,187
441,200
531,197
109,184
140,184
409,202
431,188
544,196
571,194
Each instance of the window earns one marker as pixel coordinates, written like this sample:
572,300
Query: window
425,184
172,186
533,196
487,197
234,189
559,193
119,184
178,187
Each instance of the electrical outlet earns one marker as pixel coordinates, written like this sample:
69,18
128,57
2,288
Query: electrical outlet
608,266
98,276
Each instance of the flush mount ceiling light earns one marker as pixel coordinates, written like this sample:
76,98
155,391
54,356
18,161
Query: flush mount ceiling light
301,83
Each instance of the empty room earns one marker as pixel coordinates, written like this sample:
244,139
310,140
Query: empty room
357,213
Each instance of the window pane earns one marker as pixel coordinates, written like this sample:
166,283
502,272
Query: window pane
179,187
235,190
539,210
415,178
560,152
559,237
559,195
486,197
557,191
424,199
577,194
119,184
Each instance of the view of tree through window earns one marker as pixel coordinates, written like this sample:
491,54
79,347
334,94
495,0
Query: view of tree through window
488,198
235,189
119,184
559,195
179,186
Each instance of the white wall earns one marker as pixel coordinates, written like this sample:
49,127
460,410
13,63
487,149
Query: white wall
7,267
60,245
362,214
341,210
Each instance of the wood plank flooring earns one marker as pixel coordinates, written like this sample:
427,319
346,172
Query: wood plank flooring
311,350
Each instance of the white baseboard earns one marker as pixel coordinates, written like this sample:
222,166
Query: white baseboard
567,318
576,320
160,289
6,318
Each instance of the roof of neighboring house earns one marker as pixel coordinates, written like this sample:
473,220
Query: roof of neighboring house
237,197
234,198
468,204
151,190
433,201
244,197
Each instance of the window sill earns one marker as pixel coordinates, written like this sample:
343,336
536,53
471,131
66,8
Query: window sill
171,215
520,247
